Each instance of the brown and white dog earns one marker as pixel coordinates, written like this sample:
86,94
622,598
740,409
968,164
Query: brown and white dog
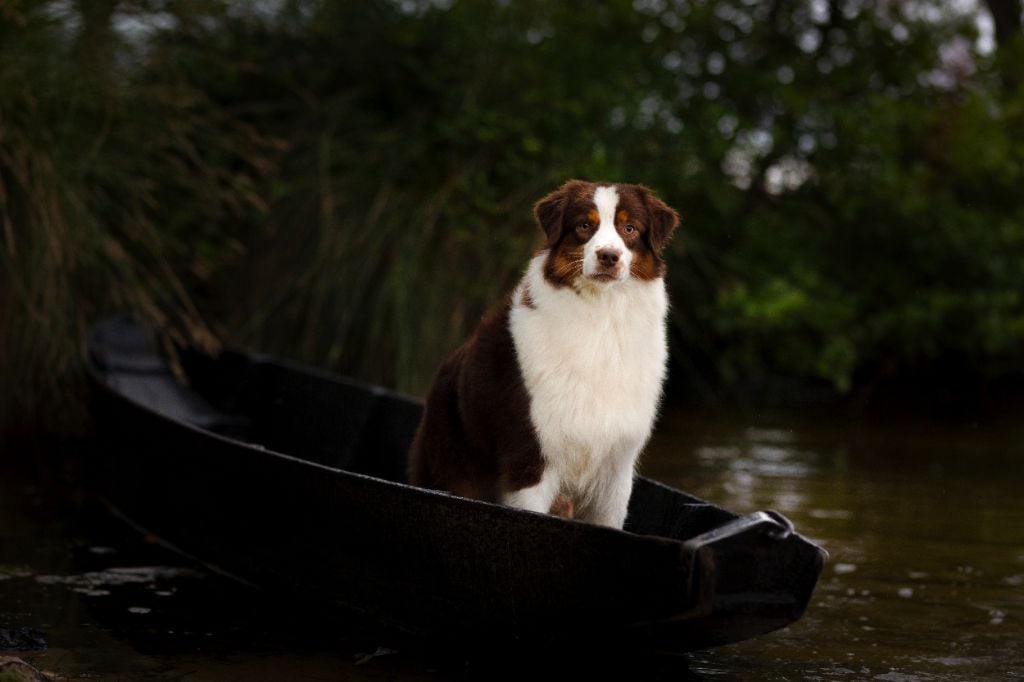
548,404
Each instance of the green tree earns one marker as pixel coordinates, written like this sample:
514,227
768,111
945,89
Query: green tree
350,183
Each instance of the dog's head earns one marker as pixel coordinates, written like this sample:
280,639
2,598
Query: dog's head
604,233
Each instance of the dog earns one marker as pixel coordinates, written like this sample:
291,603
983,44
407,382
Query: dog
548,404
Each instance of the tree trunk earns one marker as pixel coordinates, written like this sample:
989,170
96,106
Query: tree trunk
95,41
1007,19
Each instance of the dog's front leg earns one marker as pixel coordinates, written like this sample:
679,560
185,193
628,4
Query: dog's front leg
539,497
613,487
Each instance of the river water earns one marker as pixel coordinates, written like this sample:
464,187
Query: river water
923,519
924,523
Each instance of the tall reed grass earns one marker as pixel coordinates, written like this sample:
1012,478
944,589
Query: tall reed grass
118,193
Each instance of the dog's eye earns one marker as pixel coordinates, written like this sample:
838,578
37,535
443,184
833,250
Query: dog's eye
630,228
583,227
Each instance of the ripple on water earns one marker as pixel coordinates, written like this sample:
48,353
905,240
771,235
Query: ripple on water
896,676
102,550
94,583
830,514
769,453
713,453
771,469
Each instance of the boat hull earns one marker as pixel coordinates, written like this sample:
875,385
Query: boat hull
291,479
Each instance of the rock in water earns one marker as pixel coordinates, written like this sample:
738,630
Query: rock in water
21,639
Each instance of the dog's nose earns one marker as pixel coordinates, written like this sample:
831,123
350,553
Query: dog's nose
608,257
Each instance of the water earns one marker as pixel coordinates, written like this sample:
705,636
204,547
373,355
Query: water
924,522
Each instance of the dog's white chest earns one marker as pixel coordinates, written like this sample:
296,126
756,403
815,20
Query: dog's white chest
593,364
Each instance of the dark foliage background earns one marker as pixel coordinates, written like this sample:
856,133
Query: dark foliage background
349,183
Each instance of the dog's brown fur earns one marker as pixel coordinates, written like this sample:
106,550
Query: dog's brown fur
475,438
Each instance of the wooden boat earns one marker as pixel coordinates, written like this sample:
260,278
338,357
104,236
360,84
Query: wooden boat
292,479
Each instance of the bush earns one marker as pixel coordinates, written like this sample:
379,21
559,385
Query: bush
350,183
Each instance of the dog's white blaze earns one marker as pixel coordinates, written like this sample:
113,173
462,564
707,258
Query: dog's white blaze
593,361
606,199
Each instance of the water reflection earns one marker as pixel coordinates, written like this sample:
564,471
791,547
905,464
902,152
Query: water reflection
924,524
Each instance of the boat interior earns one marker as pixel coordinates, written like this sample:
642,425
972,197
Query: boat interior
316,416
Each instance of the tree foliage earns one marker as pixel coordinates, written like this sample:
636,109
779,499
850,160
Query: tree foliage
350,183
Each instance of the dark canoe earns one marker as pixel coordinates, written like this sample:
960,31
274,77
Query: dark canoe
292,479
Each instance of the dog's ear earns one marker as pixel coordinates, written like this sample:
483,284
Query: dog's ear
550,211
663,218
